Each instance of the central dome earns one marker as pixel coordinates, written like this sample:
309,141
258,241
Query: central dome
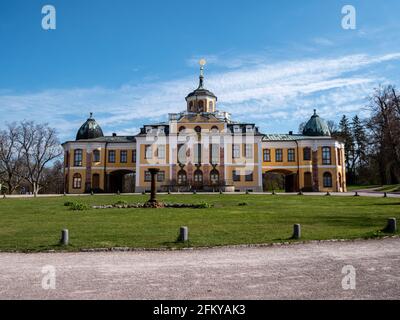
89,130
201,99
316,126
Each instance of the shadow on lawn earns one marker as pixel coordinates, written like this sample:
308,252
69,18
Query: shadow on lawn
387,204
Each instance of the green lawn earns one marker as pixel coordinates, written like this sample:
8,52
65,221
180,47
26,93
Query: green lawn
353,187
380,188
390,188
35,224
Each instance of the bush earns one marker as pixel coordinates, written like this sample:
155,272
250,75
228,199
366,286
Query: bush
120,202
68,203
242,204
77,206
204,205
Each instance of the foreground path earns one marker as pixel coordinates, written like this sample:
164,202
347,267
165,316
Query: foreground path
287,272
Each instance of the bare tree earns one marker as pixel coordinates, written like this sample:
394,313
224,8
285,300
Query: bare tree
39,146
10,158
53,178
384,127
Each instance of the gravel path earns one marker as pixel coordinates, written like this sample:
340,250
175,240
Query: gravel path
303,271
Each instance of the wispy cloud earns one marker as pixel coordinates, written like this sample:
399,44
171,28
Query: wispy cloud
275,96
323,41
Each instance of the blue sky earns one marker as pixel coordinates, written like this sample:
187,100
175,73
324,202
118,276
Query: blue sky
132,62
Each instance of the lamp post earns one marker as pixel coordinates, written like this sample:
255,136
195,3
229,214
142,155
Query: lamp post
153,172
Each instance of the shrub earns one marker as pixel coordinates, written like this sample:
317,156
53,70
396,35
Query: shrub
68,203
204,205
120,202
241,204
77,206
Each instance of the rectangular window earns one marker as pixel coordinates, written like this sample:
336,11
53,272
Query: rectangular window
148,151
147,176
96,156
291,155
134,156
123,155
307,154
249,176
214,153
236,151
78,158
236,175
161,151
111,156
278,155
248,151
267,155
326,155
161,176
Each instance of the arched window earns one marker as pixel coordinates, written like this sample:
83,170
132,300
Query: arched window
197,129
210,106
96,181
214,176
182,129
182,177
198,176
96,156
78,158
214,129
191,105
201,106
77,181
327,180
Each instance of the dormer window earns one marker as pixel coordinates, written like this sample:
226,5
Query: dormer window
249,129
236,129
148,129
161,129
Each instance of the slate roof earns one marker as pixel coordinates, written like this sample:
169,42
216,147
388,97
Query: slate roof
289,137
316,126
89,130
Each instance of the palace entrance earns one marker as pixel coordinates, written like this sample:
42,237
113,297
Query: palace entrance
122,181
280,180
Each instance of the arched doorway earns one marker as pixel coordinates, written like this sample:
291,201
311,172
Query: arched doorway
214,177
182,177
122,181
308,182
96,182
280,180
198,179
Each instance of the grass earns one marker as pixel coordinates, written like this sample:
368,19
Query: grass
379,188
35,224
360,186
389,188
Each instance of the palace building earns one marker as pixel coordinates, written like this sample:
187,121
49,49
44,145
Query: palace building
203,149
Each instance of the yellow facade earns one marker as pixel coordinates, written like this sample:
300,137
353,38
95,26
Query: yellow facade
203,149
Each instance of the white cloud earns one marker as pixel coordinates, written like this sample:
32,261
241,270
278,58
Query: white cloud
284,92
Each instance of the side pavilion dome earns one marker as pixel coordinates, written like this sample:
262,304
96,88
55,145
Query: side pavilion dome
89,130
316,126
